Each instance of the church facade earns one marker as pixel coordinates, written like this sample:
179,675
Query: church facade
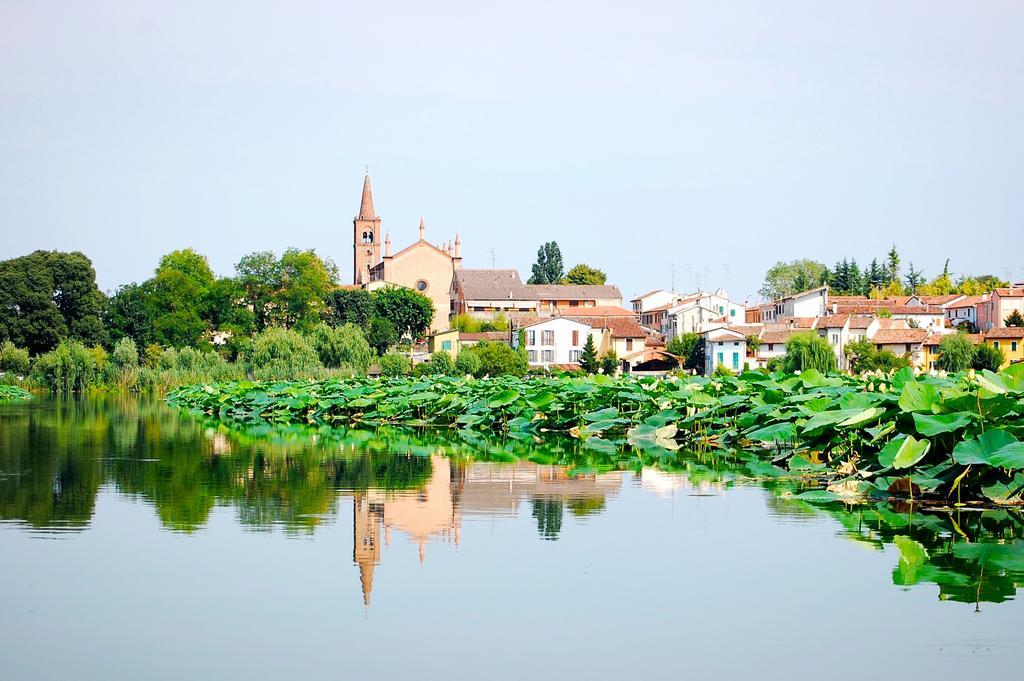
422,266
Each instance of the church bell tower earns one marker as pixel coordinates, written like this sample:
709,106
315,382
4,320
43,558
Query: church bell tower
365,237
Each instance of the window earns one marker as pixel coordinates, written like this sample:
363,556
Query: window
575,337
771,347
531,337
547,337
835,338
732,312
629,345
367,237
574,356
735,360
1013,346
421,286
446,345
574,303
995,344
548,356
735,344
720,360
531,356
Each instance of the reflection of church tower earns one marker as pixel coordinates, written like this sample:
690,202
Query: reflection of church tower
366,520
365,237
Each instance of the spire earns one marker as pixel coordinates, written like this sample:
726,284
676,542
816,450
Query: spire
387,245
366,211
423,228
366,579
458,245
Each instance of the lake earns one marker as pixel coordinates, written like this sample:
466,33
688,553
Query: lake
137,541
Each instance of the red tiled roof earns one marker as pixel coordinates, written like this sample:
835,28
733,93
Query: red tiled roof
483,335
969,301
621,327
1010,292
773,337
834,321
859,322
1010,332
899,336
598,311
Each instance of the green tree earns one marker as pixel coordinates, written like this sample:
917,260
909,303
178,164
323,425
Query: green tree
588,358
807,350
549,268
1015,319
410,311
441,362
48,296
224,311
860,355
279,353
584,274
875,277
498,359
784,279
178,294
344,347
987,357
349,306
13,360
892,268
381,334
306,281
914,279
395,364
259,277
956,353
609,363
690,348
468,363
128,314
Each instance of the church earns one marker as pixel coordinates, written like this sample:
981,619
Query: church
423,266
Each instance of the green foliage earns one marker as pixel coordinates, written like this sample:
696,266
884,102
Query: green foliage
12,392
295,291
914,279
884,313
440,363
469,324
128,314
381,334
588,358
584,274
70,367
987,357
1015,319
395,364
609,363
721,370
845,279
807,350
956,353
409,311
48,296
468,363
784,279
689,347
177,296
13,360
497,359
282,353
349,306
342,348
548,269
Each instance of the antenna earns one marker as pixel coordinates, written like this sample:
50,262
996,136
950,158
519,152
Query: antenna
673,289
491,251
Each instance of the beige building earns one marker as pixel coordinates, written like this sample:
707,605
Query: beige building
423,266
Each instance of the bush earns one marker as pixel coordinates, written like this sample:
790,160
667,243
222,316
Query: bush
282,353
395,364
13,360
987,357
70,367
689,347
609,363
497,358
467,363
441,363
722,370
125,354
807,350
956,353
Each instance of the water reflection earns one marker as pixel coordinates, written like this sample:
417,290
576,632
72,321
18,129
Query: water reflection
57,455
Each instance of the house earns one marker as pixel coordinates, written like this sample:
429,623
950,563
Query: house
622,335
834,329
696,312
907,343
559,298
482,294
468,339
1001,303
810,303
773,341
1009,339
554,340
447,341
724,347
964,310
653,299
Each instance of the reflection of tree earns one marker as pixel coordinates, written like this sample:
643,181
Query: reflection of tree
548,514
585,506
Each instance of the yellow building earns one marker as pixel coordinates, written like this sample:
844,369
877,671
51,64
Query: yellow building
448,341
1010,340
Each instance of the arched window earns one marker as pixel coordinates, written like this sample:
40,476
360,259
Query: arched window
367,237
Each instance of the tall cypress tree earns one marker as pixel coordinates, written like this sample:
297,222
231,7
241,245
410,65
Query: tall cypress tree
588,359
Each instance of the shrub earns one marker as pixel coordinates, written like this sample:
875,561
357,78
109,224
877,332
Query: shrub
13,360
609,363
721,370
394,364
987,357
281,353
807,350
467,363
441,363
497,358
956,353
125,354
70,367
689,347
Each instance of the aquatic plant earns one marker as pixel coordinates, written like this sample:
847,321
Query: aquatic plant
13,392
956,437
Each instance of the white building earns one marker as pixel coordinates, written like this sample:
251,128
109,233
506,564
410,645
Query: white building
724,347
698,312
556,340
810,303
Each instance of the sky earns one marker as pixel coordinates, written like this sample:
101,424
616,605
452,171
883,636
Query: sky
685,143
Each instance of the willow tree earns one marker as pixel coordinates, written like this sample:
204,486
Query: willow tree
808,350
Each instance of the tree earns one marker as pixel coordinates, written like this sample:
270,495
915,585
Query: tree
395,364
860,355
343,347
410,311
807,350
177,300
1015,319
987,357
584,274
306,281
13,360
259,276
280,353
498,359
845,279
893,265
48,296
875,278
914,279
467,362
549,268
223,311
689,348
381,334
891,290
609,363
784,279
128,314
349,306
588,358
441,363
956,353
939,286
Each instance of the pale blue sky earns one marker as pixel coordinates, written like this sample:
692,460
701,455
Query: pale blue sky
638,135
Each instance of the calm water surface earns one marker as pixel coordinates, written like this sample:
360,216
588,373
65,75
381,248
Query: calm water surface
139,542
